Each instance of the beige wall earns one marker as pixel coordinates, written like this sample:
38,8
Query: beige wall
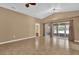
66,16
15,25
76,28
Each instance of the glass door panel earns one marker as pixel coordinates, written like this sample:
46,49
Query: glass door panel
61,30
55,29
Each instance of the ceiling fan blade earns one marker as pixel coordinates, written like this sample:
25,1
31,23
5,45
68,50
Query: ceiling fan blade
27,5
32,3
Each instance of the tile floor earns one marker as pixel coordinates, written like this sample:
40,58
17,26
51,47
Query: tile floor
39,46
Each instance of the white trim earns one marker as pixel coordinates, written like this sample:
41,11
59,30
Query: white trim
76,40
17,40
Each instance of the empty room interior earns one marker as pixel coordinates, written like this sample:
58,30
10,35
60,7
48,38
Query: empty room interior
39,28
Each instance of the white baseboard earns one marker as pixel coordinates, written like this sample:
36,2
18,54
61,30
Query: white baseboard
17,40
76,40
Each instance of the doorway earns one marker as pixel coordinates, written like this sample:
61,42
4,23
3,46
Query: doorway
37,29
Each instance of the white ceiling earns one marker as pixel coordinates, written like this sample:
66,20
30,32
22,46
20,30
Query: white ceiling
41,10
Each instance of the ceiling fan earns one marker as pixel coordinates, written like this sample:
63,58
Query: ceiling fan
55,10
28,4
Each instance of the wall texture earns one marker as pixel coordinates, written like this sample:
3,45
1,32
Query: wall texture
14,25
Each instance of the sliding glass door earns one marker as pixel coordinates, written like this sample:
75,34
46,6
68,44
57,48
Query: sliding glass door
58,29
61,29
